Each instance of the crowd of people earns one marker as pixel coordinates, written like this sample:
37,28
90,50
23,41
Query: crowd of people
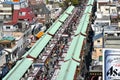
61,47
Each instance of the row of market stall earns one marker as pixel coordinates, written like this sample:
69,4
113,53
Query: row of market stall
20,70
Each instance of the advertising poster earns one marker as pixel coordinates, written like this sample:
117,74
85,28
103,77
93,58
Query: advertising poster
111,67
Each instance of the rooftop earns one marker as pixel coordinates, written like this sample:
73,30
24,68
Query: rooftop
97,36
9,38
16,35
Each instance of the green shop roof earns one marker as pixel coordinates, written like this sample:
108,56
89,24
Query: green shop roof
9,38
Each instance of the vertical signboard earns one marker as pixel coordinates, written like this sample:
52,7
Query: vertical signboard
111,67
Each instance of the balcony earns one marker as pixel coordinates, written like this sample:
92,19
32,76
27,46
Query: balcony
6,13
6,8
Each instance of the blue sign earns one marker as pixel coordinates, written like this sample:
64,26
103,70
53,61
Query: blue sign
111,69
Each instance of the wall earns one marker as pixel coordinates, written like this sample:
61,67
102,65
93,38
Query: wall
2,59
96,53
98,42
9,28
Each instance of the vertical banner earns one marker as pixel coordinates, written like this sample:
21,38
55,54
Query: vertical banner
111,67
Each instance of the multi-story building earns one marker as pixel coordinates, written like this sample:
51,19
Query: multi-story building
41,11
5,11
111,37
9,46
15,27
98,45
106,32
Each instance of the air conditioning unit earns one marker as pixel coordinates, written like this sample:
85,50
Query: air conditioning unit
28,70
22,79
32,66
26,75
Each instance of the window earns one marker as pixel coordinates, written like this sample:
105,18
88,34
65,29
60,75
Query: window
8,17
22,13
7,27
98,41
107,9
109,35
100,50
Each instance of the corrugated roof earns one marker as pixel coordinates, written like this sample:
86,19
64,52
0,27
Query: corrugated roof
71,48
70,9
90,2
55,27
19,69
80,25
78,48
85,24
75,48
90,9
39,46
63,17
86,10
67,70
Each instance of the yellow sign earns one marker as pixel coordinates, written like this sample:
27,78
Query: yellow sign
39,34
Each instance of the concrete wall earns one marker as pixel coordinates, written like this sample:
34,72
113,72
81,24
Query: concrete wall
9,28
2,59
98,42
96,53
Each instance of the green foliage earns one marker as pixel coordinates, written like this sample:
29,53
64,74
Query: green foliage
73,2
47,1
61,4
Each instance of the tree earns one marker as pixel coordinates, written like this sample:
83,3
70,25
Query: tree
73,2
47,1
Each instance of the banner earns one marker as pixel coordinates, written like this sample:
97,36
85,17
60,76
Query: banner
111,67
